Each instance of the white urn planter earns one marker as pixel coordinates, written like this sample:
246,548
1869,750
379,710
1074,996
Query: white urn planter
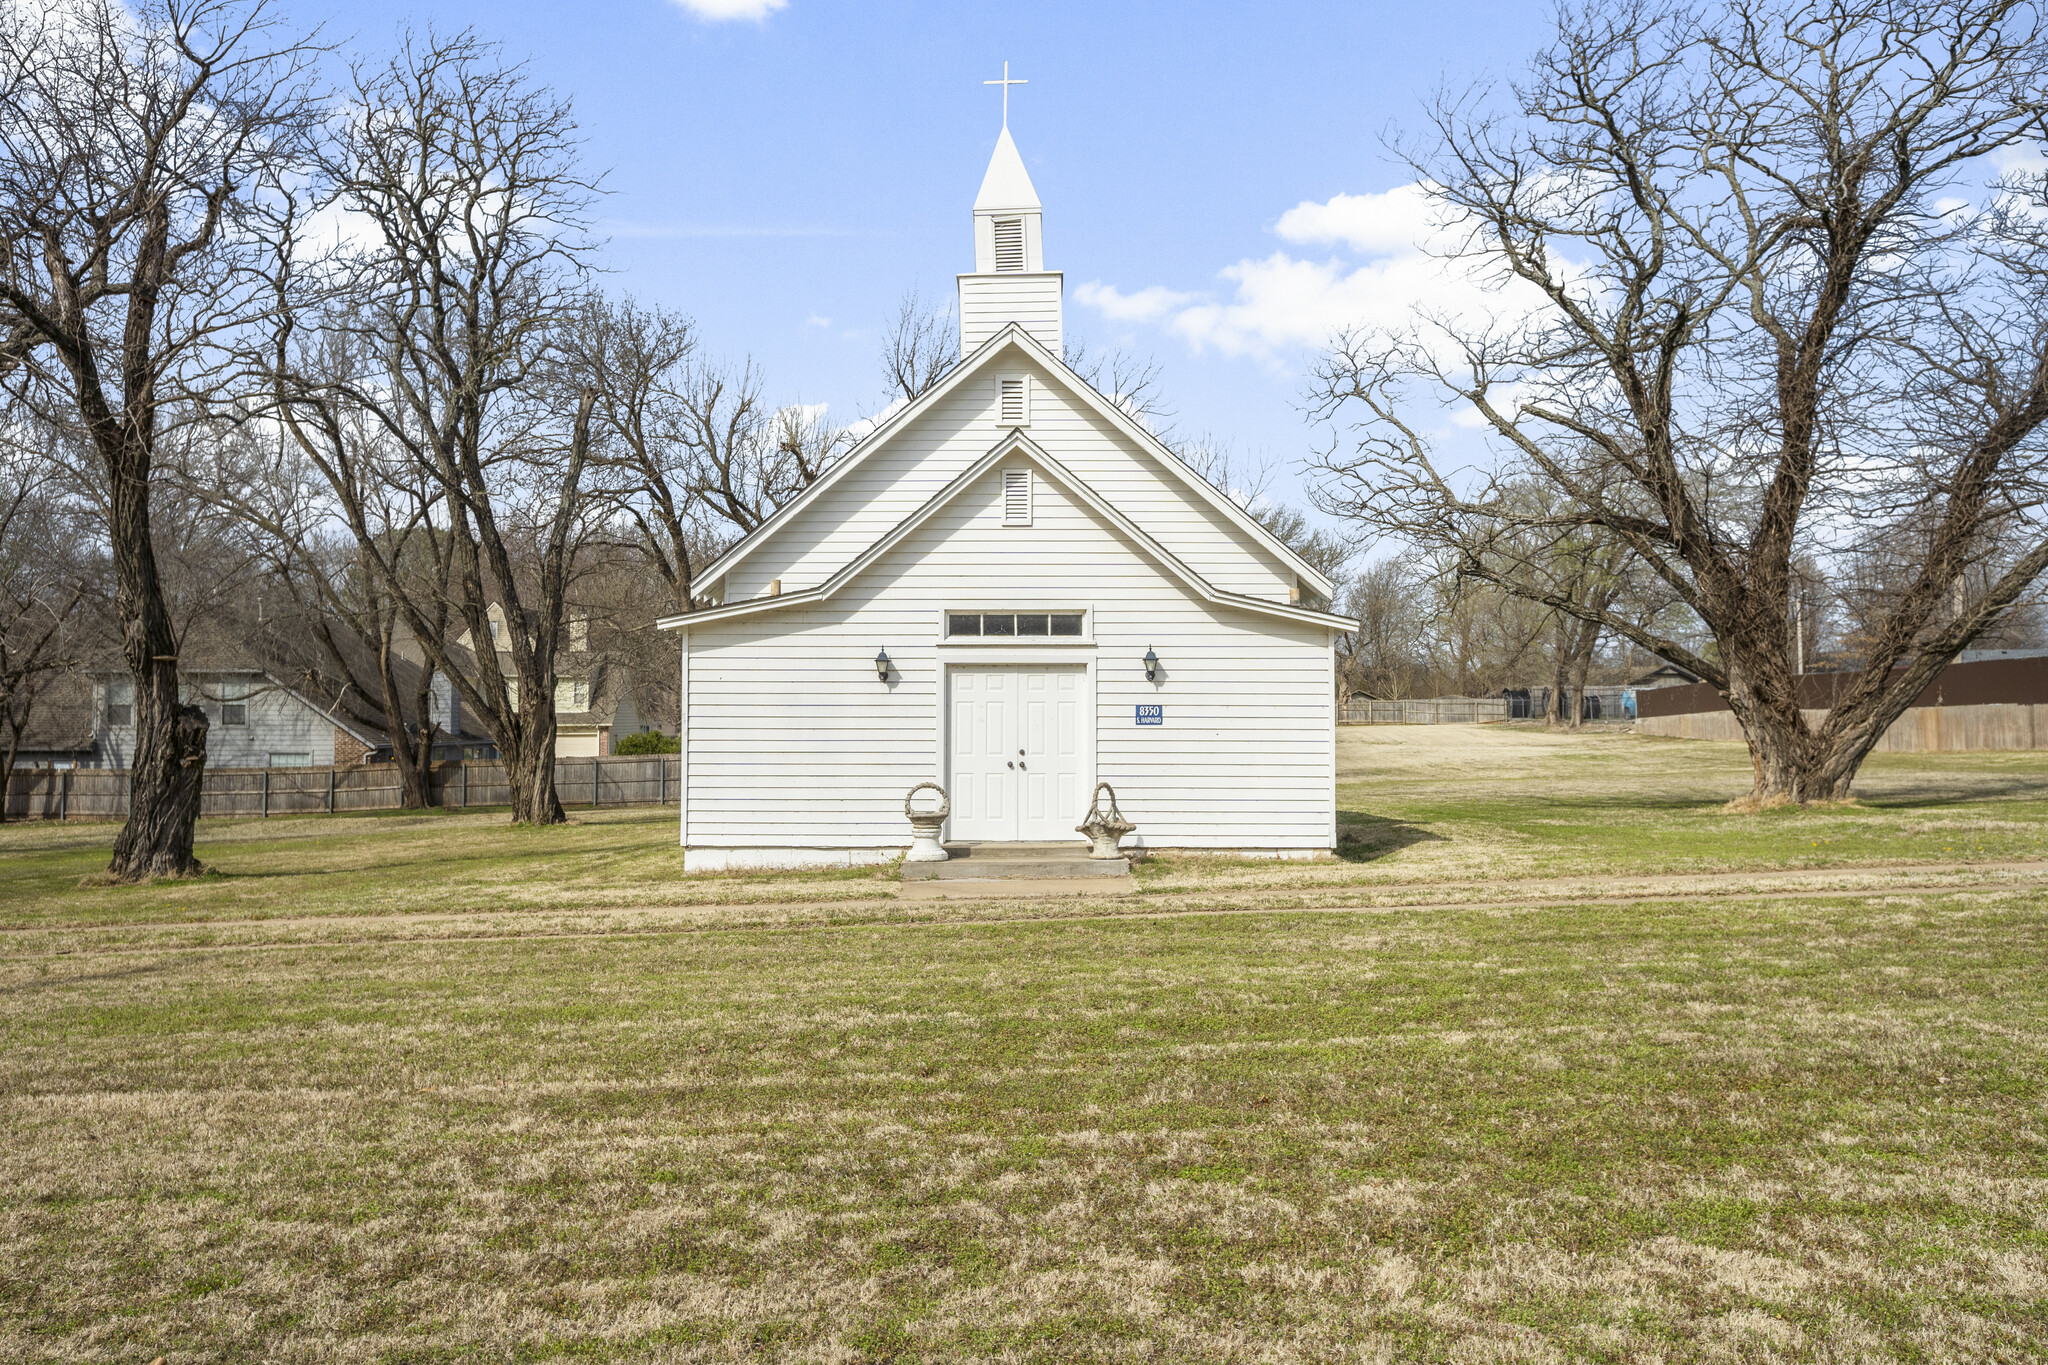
925,824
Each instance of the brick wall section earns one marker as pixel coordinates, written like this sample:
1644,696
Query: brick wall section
348,750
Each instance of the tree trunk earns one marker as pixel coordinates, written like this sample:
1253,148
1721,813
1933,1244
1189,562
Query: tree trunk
163,792
405,747
170,739
1585,640
1781,746
530,771
7,768
1557,712
423,738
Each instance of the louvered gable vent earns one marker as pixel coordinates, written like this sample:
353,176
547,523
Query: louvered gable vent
1014,407
1009,243
1016,497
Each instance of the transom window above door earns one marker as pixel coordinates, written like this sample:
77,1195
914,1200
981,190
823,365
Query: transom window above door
1004,625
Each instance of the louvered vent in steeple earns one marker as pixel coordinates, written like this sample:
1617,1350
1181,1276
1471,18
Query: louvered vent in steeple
1009,243
1013,405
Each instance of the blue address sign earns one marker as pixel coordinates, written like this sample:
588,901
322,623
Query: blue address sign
1152,715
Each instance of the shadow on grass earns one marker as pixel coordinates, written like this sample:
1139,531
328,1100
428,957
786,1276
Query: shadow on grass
45,983
2021,786
1369,838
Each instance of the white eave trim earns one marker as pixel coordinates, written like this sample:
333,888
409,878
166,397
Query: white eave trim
1014,333
1015,442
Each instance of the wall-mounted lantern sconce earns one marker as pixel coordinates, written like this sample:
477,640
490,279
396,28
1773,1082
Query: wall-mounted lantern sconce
882,664
1151,665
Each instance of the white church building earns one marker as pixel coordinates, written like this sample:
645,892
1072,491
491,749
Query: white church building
1011,588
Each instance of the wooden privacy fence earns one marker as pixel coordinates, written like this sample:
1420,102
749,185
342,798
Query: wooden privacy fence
102,793
1430,711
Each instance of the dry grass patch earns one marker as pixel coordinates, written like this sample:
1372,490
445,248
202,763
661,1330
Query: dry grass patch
421,1089
1805,1131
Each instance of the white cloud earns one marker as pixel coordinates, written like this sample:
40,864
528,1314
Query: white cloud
1387,266
817,320
1146,305
2021,158
716,11
858,429
1396,220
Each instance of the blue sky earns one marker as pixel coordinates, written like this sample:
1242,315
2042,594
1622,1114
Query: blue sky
1214,183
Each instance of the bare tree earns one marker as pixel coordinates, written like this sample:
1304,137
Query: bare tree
1756,329
743,460
132,140
461,178
43,582
920,346
1128,380
637,360
301,483
1381,657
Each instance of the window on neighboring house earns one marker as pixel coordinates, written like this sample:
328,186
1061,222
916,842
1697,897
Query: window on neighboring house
291,760
121,702
494,632
572,694
1009,243
1010,624
234,703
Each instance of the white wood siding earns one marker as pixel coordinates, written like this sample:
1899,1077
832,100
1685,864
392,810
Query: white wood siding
903,475
989,303
792,742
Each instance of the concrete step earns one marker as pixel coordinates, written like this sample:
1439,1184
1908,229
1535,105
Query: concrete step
1017,862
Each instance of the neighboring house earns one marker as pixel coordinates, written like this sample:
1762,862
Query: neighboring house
1667,675
593,693
1012,588
254,721
59,733
271,700
594,709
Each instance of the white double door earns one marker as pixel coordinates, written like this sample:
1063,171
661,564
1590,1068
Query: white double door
1017,752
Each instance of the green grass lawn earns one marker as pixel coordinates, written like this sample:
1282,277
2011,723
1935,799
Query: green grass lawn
429,1089
1420,807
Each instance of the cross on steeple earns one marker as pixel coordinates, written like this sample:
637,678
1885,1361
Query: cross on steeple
1006,83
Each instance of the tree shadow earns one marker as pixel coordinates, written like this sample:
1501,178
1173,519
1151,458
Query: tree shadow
53,982
1369,838
1918,796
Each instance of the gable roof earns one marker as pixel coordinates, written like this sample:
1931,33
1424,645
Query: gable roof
1014,335
1015,443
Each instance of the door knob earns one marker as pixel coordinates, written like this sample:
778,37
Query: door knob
1020,753
1011,764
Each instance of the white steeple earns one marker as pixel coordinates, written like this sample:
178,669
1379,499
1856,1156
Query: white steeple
1007,198
1007,184
1010,282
